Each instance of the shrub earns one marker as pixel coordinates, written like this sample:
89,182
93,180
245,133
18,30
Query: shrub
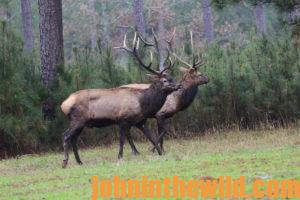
250,84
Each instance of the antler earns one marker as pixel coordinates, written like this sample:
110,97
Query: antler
171,39
134,52
156,45
171,63
196,62
157,48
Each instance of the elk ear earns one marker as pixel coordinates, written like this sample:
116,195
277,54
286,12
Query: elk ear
152,77
183,69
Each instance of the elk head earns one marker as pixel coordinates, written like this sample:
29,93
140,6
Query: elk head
191,75
160,79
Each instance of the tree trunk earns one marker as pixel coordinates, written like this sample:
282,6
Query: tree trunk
105,24
94,38
294,15
51,49
93,15
5,11
69,48
162,44
259,12
27,25
208,21
138,9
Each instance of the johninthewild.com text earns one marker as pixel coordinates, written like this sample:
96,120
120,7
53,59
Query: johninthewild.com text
223,187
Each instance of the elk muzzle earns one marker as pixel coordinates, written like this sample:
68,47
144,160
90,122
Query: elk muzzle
174,86
202,79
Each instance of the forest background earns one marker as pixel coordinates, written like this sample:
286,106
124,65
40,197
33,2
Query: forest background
250,47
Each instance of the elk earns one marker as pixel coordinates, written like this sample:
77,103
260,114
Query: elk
125,107
180,99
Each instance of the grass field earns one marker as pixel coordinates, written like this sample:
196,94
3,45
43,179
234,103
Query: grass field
268,154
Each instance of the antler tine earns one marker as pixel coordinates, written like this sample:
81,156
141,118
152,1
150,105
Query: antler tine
167,58
168,50
147,67
141,38
155,41
124,45
192,42
144,41
197,62
124,42
171,39
135,53
151,56
184,62
192,47
171,65
136,41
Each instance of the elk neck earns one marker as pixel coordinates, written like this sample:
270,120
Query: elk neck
153,99
187,95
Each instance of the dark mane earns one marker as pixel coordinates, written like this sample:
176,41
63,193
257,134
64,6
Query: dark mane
153,100
187,97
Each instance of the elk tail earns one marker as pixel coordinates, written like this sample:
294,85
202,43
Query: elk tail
68,104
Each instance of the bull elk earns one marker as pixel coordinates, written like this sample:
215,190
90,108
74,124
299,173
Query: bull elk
180,99
125,107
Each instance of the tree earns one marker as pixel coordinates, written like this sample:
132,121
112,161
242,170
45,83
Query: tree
138,11
5,10
27,25
51,50
208,21
291,7
93,15
162,45
105,23
259,12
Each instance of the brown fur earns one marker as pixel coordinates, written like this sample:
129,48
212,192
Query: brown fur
182,98
136,85
123,106
113,104
178,100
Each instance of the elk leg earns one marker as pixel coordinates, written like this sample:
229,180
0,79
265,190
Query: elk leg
144,128
161,123
161,133
124,129
74,145
68,140
66,145
130,141
162,145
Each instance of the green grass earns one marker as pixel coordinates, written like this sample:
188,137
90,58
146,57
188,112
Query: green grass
268,154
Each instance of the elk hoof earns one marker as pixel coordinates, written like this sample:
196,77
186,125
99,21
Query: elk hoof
153,150
64,164
158,151
79,163
136,153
